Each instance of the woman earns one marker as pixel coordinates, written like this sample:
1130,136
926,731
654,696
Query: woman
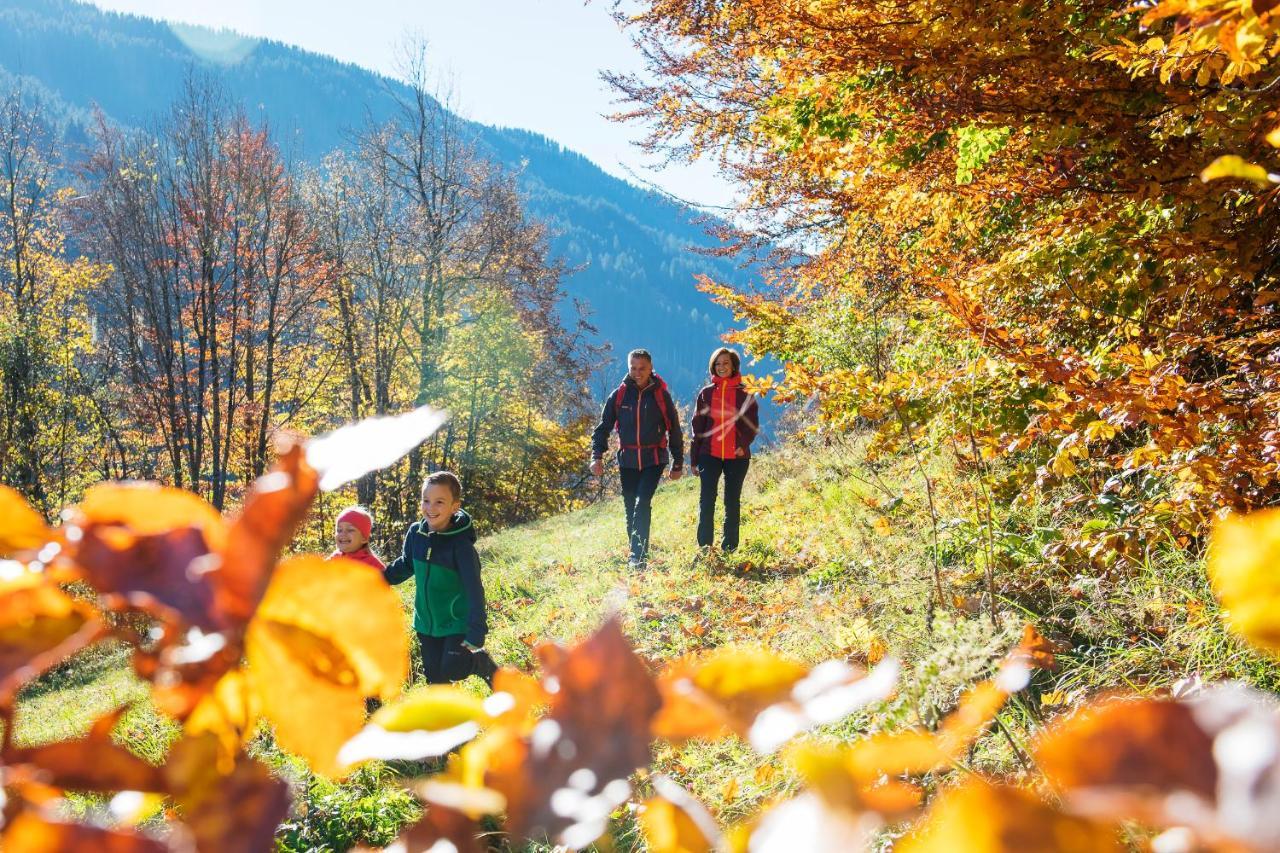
725,422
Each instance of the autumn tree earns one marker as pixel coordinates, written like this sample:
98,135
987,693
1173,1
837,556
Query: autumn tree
49,408
216,278
1026,175
444,291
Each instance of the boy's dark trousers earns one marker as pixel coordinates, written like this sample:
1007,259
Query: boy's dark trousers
735,472
638,486
445,659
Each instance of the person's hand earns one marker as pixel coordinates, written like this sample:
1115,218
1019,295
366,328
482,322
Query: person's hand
697,472
676,473
597,467
741,453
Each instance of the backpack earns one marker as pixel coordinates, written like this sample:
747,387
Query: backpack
662,409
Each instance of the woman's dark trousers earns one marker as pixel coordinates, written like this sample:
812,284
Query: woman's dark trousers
638,486
735,472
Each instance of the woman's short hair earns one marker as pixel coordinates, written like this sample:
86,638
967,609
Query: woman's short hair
734,358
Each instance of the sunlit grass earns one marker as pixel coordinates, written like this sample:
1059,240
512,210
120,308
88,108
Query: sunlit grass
837,556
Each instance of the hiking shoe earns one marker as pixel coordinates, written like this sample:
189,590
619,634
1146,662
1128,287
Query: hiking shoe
636,564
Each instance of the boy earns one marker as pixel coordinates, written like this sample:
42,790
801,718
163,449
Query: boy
351,536
448,608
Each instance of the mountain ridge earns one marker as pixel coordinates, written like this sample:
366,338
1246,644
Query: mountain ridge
629,245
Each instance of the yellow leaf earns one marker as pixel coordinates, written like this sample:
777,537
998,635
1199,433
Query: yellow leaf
325,636
1054,698
995,819
307,690
1243,554
21,527
39,627
669,829
1063,465
434,707
725,689
881,525
229,712
1273,138
1234,166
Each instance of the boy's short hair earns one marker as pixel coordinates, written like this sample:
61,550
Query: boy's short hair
640,353
445,478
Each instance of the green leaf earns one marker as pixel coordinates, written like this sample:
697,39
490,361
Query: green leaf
975,146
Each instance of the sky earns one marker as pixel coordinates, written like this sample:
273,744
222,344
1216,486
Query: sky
532,64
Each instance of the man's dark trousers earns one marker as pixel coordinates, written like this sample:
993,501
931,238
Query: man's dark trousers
638,486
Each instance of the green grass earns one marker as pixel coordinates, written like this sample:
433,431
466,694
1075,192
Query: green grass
836,553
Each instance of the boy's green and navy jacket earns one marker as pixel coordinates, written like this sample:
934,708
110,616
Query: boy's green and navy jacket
444,565
645,419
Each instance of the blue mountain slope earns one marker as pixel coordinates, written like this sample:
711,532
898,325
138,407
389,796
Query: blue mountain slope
637,273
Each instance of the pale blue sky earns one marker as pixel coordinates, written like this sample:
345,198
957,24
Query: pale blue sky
531,64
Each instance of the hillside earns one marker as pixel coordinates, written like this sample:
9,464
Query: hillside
631,245
835,564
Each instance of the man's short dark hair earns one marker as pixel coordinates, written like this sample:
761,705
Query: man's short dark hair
444,478
640,353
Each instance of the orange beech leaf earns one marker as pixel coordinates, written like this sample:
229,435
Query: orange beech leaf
761,696
91,763
1124,743
595,735
1207,762
350,606
229,712
710,694
479,775
276,504
318,646
21,527
836,774
920,751
986,818
40,626
527,697
184,669
1243,554
675,822
235,806
147,509
440,829
1035,650
31,833
161,574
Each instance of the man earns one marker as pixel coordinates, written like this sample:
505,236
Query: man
648,426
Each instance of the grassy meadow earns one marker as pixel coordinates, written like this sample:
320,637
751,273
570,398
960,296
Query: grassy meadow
840,559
